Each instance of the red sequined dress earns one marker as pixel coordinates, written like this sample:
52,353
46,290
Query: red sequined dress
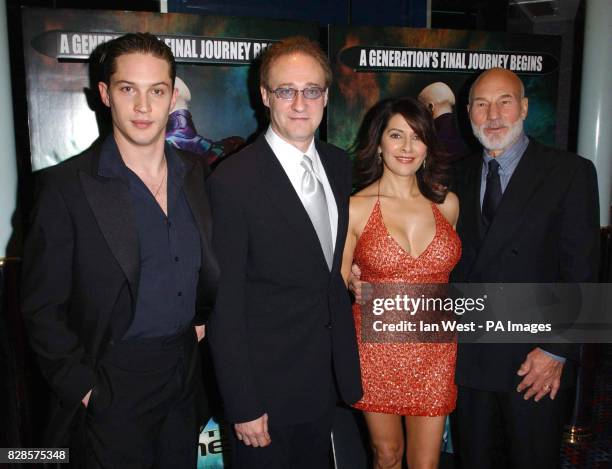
406,378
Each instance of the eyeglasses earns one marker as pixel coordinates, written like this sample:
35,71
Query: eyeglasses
289,94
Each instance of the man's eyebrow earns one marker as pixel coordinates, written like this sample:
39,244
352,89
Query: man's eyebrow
503,96
293,85
128,82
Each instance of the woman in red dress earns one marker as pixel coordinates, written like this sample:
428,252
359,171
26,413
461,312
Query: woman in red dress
401,230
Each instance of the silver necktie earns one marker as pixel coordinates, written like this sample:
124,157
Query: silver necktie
315,203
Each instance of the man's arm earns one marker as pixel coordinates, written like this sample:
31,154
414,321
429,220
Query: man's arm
578,238
579,228
578,262
349,245
47,286
227,327
206,285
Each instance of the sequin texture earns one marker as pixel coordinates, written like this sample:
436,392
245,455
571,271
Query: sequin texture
406,378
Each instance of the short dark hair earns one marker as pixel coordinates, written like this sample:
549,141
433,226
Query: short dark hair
290,45
433,178
134,43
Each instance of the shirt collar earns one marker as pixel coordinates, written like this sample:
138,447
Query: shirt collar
510,155
287,152
176,165
112,165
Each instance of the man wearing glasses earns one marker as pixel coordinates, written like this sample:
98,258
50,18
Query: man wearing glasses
282,334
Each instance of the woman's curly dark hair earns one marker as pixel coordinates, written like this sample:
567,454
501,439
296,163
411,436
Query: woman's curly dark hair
433,179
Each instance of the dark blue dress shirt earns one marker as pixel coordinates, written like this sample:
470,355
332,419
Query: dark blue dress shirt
169,245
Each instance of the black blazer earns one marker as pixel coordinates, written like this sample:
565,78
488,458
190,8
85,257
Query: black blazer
80,272
282,320
546,229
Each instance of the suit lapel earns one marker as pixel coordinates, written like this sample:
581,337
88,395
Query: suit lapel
527,177
282,195
469,197
341,203
196,197
110,202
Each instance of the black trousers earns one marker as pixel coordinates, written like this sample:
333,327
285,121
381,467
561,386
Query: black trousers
301,446
498,430
142,411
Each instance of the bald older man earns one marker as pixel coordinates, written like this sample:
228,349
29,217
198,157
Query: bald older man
529,213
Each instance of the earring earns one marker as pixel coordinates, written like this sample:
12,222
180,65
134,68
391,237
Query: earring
380,158
424,165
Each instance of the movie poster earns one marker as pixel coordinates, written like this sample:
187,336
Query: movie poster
218,108
371,64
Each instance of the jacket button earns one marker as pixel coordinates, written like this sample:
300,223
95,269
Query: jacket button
328,325
515,251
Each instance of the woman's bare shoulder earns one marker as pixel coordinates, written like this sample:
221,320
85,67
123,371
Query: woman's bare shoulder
361,206
365,198
450,208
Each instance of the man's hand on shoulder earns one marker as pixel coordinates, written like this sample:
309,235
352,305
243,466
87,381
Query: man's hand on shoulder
200,331
361,290
85,400
254,433
541,375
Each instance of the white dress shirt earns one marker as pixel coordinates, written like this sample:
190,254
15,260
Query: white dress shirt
290,159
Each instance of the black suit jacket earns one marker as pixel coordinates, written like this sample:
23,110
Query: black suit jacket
81,271
282,320
546,230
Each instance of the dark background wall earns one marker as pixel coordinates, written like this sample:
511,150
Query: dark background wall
361,12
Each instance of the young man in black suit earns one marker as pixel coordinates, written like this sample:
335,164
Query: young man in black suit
282,334
119,276
528,213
